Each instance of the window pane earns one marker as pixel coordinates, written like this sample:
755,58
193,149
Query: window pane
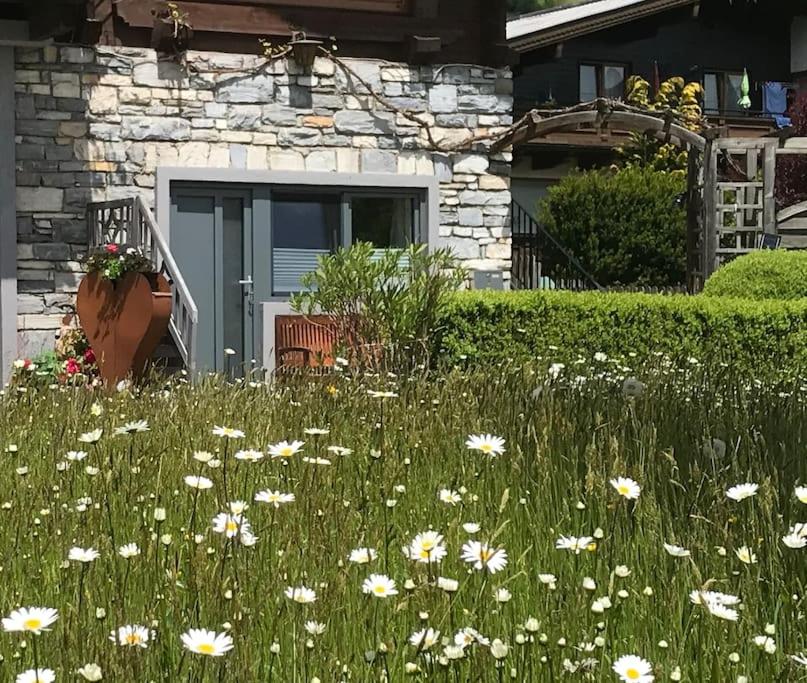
733,92
588,82
613,81
303,228
711,99
385,222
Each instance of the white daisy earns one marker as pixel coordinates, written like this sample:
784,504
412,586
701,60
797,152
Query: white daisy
426,548
627,488
676,550
275,498
284,449
129,550
486,443
575,544
300,594
36,676
379,586
33,619
200,483
633,669
204,642
228,433
424,639
742,491
362,555
85,555
484,557
131,635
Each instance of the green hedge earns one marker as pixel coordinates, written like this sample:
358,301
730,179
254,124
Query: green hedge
492,327
765,274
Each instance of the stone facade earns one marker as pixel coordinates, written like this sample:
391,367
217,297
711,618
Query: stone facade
95,124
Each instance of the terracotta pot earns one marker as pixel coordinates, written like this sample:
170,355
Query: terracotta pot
123,321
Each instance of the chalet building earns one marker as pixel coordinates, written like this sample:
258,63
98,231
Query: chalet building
577,53
244,168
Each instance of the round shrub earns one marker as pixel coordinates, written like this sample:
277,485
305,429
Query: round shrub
625,227
764,274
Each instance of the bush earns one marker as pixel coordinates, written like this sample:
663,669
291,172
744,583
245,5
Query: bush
491,327
385,304
624,227
764,274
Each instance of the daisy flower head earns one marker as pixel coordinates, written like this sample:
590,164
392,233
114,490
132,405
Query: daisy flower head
85,555
227,433
131,635
424,639
205,642
230,525
426,548
199,483
300,594
238,507
36,676
316,431
676,550
469,636
575,544
379,586
627,488
76,456
275,498
339,450
382,394
801,494
91,437
315,628
742,491
486,443
31,619
746,555
449,497
249,455
362,555
633,669
702,597
136,427
484,557
721,611
129,550
284,449
90,672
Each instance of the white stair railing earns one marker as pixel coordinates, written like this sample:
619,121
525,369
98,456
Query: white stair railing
129,221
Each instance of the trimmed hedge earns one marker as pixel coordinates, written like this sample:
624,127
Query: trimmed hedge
493,327
764,274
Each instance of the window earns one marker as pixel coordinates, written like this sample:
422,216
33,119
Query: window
722,91
308,225
602,80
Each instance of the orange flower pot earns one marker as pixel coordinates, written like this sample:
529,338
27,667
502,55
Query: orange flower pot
124,321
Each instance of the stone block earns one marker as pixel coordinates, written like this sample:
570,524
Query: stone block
238,156
162,74
193,154
135,95
364,122
245,117
480,198
486,104
30,303
77,55
347,160
498,250
52,251
40,199
324,66
299,137
318,121
286,160
278,115
254,89
471,163
494,182
67,282
103,100
66,90
443,99
155,128
257,158
377,161
470,217
73,129
463,247
369,72
321,160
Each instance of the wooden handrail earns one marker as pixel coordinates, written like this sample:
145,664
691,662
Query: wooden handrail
130,221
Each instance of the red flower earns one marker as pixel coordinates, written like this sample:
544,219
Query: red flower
72,366
89,357
111,248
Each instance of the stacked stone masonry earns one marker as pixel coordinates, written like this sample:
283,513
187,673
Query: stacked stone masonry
95,124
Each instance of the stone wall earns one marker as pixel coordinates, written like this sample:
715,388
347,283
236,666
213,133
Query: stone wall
95,124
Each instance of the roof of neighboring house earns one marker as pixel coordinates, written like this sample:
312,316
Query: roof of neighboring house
548,27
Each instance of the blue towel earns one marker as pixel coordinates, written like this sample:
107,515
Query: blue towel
782,121
774,98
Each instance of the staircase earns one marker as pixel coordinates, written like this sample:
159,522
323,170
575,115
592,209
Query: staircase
540,261
130,222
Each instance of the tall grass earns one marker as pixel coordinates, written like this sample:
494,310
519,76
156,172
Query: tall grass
565,439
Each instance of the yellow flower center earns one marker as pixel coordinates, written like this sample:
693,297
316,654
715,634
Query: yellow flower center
591,547
485,554
32,624
633,674
486,448
232,527
206,648
286,451
379,590
132,639
623,490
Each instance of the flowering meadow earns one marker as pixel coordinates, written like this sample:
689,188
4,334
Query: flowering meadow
529,525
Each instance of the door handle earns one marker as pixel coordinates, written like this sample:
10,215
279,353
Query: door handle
247,283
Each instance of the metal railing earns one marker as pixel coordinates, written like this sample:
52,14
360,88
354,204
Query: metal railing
129,221
540,261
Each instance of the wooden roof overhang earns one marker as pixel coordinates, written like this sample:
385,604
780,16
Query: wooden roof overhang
590,24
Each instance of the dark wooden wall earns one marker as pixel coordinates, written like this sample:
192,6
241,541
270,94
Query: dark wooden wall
721,38
470,31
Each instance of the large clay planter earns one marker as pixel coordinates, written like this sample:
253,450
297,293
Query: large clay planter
124,321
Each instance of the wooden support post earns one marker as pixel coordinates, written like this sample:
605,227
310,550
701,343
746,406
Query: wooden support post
694,220
710,236
769,185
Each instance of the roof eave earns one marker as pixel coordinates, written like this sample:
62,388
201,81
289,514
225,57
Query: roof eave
559,34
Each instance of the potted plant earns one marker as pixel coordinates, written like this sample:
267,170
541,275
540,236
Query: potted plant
123,307
171,33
